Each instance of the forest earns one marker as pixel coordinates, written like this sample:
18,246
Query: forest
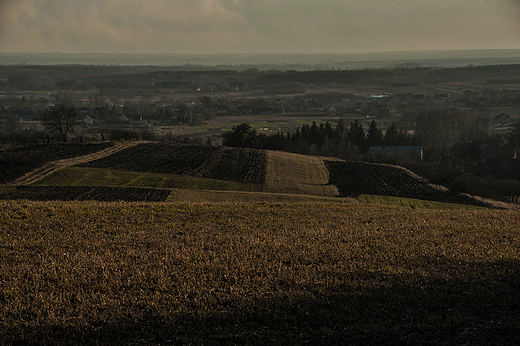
84,77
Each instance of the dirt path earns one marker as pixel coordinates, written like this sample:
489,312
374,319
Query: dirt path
53,166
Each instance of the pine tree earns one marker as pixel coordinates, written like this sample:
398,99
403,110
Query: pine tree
374,135
356,135
391,136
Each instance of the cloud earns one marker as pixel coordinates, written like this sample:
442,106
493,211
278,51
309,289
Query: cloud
213,26
357,25
104,25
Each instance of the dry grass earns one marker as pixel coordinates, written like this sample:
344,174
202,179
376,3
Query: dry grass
257,273
293,173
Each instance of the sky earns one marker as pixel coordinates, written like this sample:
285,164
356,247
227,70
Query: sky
256,26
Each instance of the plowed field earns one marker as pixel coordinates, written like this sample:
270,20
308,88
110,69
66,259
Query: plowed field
233,164
356,178
17,161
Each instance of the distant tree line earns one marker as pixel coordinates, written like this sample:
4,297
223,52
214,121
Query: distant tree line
78,77
438,139
443,134
341,141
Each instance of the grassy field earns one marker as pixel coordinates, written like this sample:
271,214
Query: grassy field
207,196
81,176
411,202
257,273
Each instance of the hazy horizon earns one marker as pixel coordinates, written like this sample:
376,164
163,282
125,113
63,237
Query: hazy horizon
452,58
256,27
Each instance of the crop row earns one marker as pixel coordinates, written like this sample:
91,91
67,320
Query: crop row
232,164
244,165
16,161
156,158
355,178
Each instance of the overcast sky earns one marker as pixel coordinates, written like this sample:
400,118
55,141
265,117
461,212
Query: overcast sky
254,26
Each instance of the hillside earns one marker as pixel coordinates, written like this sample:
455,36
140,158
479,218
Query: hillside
164,169
257,274
356,178
233,164
300,174
20,160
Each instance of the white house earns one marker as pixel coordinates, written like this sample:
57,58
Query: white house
87,120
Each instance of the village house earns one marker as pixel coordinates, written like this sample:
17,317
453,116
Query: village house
87,121
39,128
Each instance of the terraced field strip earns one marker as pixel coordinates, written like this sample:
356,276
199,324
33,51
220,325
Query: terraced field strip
212,196
86,176
83,193
231,164
360,178
297,174
411,202
53,166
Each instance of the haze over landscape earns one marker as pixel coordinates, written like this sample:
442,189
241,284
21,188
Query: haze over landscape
267,26
258,172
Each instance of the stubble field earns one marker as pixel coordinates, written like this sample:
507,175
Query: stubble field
257,273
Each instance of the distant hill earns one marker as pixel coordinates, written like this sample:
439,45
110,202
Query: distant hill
161,169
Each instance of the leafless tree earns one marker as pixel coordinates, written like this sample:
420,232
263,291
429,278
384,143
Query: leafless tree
60,118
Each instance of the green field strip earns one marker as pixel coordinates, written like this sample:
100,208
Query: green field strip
206,196
411,203
81,176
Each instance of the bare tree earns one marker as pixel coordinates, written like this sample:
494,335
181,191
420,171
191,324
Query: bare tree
60,118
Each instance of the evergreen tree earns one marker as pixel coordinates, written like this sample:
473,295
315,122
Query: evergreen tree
374,135
328,131
356,135
314,134
391,136
341,128
404,138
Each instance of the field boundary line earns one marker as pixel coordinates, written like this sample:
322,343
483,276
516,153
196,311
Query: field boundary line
54,166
